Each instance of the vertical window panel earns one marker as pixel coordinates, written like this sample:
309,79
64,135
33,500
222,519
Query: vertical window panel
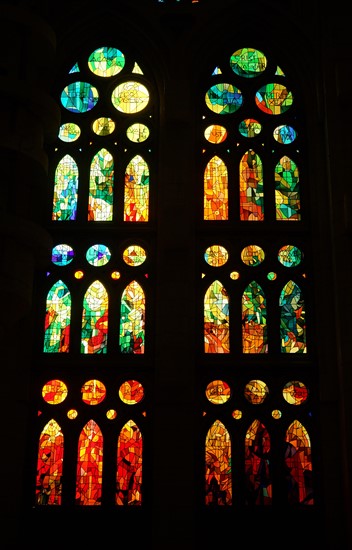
65,190
136,202
298,462
57,319
132,319
89,477
95,319
254,326
216,190
292,319
216,319
251,187
49,465
257,465
287,192
218,471
129,465
101,186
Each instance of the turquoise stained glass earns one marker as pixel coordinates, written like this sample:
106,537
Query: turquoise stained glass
79,97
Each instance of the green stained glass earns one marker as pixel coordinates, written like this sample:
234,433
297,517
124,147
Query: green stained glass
249,128
103,126
290,256
251,187
95,319
132,319
57,319
248,62
136,195
254,327
216,319
69,132
287,191
274,99
106,61
79,97
65,190
101,185
292,319
98,255
216,190
130,97
223,98
137,132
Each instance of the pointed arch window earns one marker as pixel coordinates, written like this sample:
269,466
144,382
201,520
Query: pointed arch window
97,284
252,161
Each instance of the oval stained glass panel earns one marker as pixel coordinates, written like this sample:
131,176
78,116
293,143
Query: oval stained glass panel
249,128
131,392
223,98
103,126
295,392
218,392
256,391
62,254
216,255
290,256
130,97
98,255
215,133
248,62
252,255
79,97
54,392
69,132
137,133
106,61
274,99
285,134
134,255
93,392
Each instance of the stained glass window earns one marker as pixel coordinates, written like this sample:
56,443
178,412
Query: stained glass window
97,283
254,279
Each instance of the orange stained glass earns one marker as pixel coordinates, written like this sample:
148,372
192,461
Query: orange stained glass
89,465
254,328
251,187
216,319
93,392
136,202
49,465
218,481
129,465
54,392
216,190
298,462
257,465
